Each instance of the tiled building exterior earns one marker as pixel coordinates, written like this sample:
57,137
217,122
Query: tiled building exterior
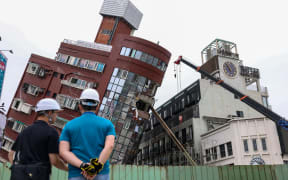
117,64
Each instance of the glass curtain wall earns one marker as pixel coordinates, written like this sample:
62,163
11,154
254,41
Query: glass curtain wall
117,104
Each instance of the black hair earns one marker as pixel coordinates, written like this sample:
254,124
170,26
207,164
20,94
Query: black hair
86,107
43,113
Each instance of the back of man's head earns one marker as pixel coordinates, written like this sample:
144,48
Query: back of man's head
45,105
89,99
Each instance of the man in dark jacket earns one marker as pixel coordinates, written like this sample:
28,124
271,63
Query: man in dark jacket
36,147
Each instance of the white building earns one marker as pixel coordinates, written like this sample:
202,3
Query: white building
242,142
204,106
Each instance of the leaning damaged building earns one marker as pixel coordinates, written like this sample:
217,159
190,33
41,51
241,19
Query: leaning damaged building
119,65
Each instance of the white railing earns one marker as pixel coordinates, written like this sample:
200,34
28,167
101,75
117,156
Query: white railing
101,47
264,90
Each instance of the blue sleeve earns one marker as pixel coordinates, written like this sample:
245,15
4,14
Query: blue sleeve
111,130
65,135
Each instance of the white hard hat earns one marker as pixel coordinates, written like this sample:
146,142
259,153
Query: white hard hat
90,94
47,104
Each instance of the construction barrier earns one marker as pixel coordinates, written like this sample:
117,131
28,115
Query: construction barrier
128,172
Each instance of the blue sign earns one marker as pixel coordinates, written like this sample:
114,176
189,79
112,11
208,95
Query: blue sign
3,61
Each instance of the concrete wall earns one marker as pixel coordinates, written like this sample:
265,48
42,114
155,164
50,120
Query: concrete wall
236,131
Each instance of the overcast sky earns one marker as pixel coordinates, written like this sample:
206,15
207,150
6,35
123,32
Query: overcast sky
184,27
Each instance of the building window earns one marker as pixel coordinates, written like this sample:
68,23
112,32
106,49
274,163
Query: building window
190,133
165,114
208,156
76,61
71,60
149,59
183,135
264,145
62,58
7,143
16,105
127,52
61,76
138,55
265,101
82,63
229,148
48,93
60,122
100,67
143,57
67,101
133,53
245,143
254,142
222,151
54,95
155,61
55,74
240,113
106,31
177,136
10,122
123,51
214,153
18,126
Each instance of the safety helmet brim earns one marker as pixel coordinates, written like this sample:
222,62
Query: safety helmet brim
47,104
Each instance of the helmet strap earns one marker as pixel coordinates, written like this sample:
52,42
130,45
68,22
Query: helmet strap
50,120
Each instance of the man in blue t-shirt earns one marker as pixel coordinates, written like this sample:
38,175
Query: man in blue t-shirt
87,137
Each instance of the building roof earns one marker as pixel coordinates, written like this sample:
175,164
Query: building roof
178,94
124,9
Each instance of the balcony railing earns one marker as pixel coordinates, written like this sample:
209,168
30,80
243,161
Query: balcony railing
101,47
249,72
67,83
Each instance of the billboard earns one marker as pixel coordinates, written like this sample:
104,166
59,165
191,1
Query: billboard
3,61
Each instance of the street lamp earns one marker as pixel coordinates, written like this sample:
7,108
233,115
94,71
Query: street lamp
9,50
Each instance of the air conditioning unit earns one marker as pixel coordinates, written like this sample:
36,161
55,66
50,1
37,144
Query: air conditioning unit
26,108
60,99
95,85
32,68
41,72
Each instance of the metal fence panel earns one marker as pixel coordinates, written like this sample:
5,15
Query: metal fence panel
128,172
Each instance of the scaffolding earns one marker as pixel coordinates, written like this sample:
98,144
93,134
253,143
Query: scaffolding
221,48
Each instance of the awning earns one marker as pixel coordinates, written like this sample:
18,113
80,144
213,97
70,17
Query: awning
19,122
